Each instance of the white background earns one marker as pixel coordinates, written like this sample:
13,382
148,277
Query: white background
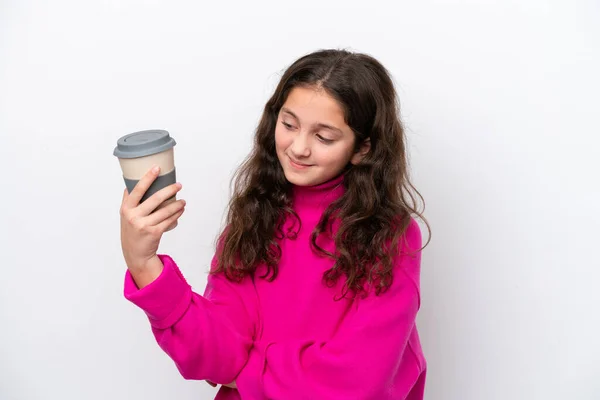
500,103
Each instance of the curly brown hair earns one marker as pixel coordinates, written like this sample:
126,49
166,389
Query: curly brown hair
379,199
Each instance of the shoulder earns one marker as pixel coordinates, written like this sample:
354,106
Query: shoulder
407,238
407,264
411,239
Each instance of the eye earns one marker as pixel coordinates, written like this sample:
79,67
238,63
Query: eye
324,140
288,126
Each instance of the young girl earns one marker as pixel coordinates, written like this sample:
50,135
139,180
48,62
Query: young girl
314,287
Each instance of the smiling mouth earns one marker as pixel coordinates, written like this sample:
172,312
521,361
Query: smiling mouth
297,164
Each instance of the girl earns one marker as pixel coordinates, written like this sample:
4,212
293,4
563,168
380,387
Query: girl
314,288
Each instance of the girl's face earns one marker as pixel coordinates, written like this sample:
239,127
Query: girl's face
313,142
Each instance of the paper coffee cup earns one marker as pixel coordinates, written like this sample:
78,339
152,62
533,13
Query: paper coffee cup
139,151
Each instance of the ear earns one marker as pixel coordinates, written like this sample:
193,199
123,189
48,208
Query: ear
365,147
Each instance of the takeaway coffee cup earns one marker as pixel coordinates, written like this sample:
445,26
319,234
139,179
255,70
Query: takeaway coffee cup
139,151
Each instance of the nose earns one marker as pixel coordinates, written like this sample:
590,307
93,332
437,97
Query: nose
300,146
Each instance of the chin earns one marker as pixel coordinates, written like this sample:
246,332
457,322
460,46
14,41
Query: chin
298,180
304,180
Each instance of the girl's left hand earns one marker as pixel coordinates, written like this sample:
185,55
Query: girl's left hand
229,385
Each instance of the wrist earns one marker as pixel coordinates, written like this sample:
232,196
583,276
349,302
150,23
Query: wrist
148,272
138,265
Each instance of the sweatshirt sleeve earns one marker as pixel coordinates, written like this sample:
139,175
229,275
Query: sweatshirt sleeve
208,337
362,359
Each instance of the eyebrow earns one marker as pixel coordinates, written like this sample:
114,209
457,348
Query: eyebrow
320,124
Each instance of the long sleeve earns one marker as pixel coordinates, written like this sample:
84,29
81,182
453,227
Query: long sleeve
371,356
208,337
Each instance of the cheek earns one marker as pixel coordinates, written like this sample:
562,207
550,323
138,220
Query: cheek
280,139
334,157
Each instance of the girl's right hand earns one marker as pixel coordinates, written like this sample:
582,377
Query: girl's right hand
141,228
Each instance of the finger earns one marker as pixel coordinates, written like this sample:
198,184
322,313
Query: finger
142,186
172,226
158,198
163,226
124,201
159,216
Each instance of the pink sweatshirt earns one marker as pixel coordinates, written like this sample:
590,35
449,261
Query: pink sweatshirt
289,339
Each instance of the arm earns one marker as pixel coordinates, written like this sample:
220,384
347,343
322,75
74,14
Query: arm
363,357
208,337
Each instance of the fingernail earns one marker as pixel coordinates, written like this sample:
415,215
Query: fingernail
179,185
155,169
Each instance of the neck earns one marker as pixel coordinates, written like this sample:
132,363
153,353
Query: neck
319,195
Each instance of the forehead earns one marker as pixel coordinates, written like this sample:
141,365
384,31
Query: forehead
312,105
